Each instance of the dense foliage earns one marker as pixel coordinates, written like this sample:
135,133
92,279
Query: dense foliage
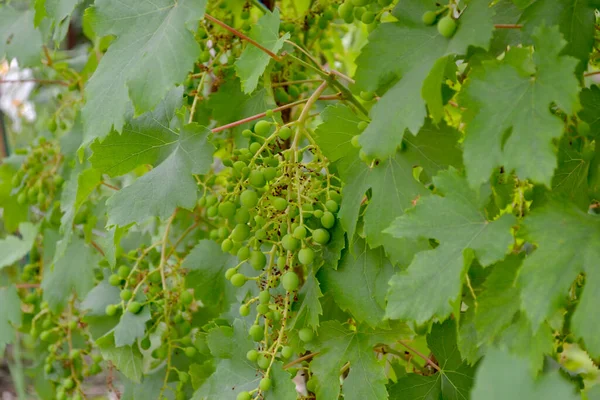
366,199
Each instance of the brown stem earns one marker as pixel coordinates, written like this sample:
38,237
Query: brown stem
109,185
299,360
591,73
95,245
27,285
278,84
47,54
508,26
242,36
423,356
40,81
263,114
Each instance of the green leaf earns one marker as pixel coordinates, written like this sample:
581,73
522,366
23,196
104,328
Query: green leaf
10,315
13,213
576,20
18,37
453,381
147,139
168,186
590,106
72,272
252,63
457,221
153,51
283,387
234,372
58,12
570,180
127,359
526,127
131,327
503,376
338,345
13,248
150,388
308,306
566,240
99,297
417,48
360,281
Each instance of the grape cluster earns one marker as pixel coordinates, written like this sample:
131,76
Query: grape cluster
37,180
366,11
275,211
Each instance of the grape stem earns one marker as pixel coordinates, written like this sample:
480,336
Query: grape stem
508,26
299,360
423,356
39,81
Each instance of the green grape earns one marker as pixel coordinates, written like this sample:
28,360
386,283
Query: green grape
290,281
243,253
244,310
238,280
328,220
68,383
358,12
290,243
242,216
223,232
354,142
306,256
368,17
346,11
287,352
281,262
270,173
264,297
134,307
252,355
321,236
114,280
74,353
358,3
284,133
145,343
244,396
429,17
126,294
318,214
190,351
123,271
258,260
227,245
110,310
265,384
239,165
212,211
311,385
307,210
281,95
279,203
186,297
362,125
322,23
262,128
183,377
226,209
260,234
22,198
447,26
211,200
299,232
240,233
204,56
332,205
262,309
367,96
254,147
257,179
263,361
246,133
230,272
306,334
256,333
41,198
384,3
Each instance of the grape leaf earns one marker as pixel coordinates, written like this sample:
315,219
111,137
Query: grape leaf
570,180
566,240
453,381
234,372
338,345
359,283
576,20
10,315
505,376
149,388
74,271
168,186
153,51
391,181
58,12
252,63
13,248
416,50
282,388
13,213
18,37
590,104
127,359
308,307
457,221
99,297
506,12
147,139
526,128
131,327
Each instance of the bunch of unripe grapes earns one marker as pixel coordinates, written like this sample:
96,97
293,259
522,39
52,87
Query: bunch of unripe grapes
69,356
275,212
37,180
365,11
446,25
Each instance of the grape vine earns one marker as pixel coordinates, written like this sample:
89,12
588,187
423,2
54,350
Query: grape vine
279,200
